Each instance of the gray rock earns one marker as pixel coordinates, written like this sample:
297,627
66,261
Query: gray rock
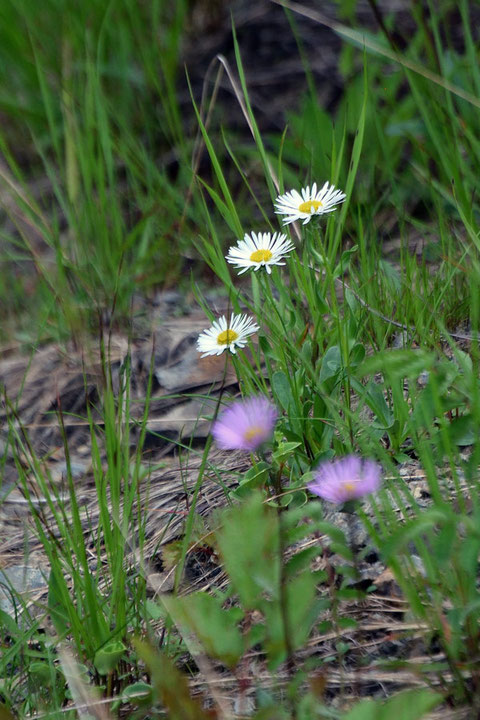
19,580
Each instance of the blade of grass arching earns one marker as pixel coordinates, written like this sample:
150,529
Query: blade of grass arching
338,156
108,247
25,205
234,219
220,205
169,65
425,101
272,182
472,231
165,24
297,34
202,303
213,254
354,164
453,141
69,124
470,45
366,41
49,105
245,180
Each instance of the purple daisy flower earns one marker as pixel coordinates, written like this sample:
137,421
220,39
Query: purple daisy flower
346,479
246,424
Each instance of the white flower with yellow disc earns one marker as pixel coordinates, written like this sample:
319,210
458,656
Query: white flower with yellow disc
259,250
310,202
222,336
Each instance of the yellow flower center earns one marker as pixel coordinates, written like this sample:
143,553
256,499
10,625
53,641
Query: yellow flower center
226,337
260,256
348,487
310,206
252,433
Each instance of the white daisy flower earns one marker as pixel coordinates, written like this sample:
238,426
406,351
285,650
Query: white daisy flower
302,207
222,337
257,250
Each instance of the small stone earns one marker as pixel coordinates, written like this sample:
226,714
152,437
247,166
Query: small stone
21,580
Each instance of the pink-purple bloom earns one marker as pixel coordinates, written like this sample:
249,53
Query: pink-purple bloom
346,479
246,424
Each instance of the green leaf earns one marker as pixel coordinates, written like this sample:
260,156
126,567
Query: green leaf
249,544
357,355
42,671
284,451
138,693
411,530
7,623
155,611
364,710
282,391
108,657
425,409
463,430
410,705
407,705
331,363
397,363
302,606
342,266
299,499
256,477
56,605
215,627
374,397
301,560
302,609
271,713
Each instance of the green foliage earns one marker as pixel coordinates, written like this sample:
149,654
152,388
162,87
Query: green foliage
215,626
170,685
404,145
249,543
86,98
107,658
408,705
447,544
96,623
